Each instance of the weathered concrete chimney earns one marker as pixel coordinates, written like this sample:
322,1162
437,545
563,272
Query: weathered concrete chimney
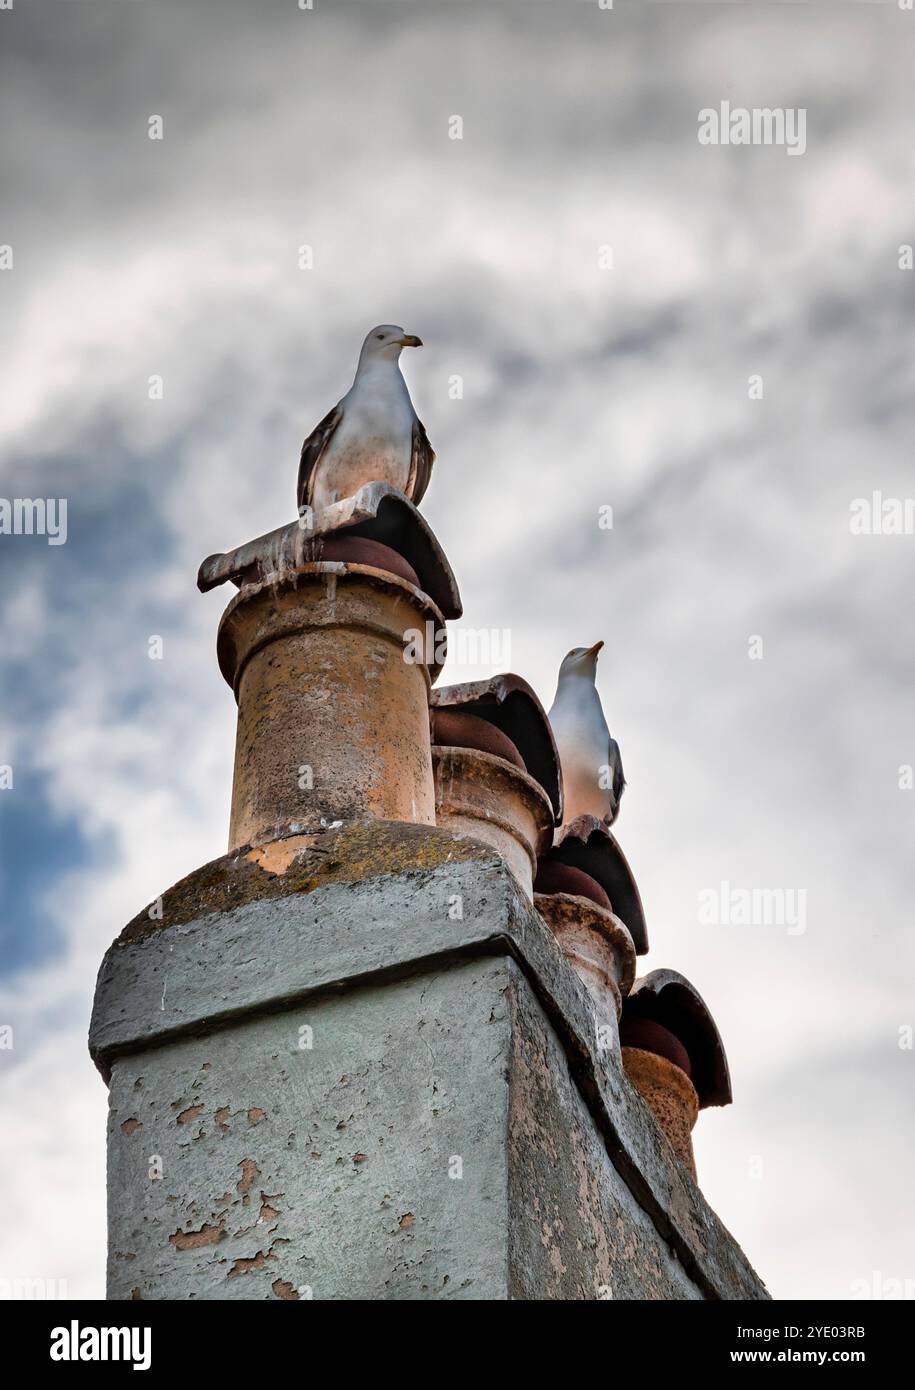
351,1059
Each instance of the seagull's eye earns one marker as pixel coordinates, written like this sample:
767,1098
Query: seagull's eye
379,335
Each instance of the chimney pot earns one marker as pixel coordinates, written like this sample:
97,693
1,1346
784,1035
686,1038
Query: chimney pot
331,648
499,781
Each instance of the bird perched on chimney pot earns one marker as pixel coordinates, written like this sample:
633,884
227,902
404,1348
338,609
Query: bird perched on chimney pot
373,434
592,770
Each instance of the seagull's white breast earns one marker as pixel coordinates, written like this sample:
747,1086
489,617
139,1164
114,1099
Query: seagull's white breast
583,739
374,440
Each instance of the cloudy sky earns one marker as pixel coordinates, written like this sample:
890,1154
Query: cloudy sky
758,667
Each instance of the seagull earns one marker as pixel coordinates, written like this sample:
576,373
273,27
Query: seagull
592,770
373,434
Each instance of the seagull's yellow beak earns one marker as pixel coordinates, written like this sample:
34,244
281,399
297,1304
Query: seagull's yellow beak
592,651
409,340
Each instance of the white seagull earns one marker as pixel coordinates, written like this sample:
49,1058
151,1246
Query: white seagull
373,434
592,770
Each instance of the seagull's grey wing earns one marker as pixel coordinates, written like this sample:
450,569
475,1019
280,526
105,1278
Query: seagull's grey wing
615,761
422,457
312,450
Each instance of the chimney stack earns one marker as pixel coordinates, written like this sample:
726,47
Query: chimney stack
352,1059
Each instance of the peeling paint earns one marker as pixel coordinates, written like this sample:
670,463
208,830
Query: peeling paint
249,1171
283,1289
194,1240
245,1266
276,857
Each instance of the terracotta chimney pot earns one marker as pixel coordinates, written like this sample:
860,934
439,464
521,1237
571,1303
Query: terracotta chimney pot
670,1095
588,896
331,661
673,1055
487,798
596,944
498,779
